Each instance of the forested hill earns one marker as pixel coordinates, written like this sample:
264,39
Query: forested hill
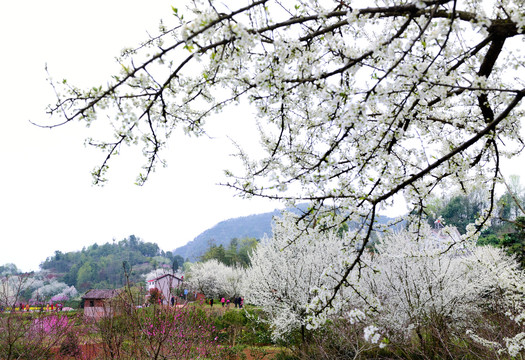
101,266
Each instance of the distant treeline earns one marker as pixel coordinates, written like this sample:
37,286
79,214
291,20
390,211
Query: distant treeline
507,228
237,253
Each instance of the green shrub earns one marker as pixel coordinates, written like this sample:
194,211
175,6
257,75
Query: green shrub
230,326
113,331
257,331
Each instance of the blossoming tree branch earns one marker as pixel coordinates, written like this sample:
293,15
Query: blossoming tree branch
356,101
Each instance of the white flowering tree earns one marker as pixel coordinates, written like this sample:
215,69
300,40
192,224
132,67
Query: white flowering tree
357,101
509,279
213,279
413,288
53,290
11,288
413,283
285,271
232,279
421,283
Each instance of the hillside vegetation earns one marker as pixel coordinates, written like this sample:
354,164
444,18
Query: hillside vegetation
101,266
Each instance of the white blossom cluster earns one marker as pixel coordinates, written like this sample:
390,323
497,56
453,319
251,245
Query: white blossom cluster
44,290
413,282
214,279
155,273
376,97
11,287
371,334
408,284
41,289
506,277
285,272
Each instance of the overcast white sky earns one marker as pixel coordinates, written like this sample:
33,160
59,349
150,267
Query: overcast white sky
47,202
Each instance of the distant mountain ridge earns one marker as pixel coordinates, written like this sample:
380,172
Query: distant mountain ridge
247,226
253,226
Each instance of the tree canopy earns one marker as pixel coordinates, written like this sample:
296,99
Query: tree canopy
357,102
101,266
8,269
507,225
237,253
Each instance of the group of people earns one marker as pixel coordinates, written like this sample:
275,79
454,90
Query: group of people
238,301
48,307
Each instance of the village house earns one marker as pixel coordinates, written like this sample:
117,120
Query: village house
166,284
97,303
443,237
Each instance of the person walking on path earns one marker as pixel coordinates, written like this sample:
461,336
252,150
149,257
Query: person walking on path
211,302
222,302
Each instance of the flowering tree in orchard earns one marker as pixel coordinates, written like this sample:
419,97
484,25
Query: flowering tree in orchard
54,290
285,271
213,279
11,288
407,289
509,279
357,101
232,279
411,287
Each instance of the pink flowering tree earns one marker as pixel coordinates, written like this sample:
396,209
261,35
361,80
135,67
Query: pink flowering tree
157,332
28,335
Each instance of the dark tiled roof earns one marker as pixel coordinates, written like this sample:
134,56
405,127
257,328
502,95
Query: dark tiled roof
100,294
163,276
